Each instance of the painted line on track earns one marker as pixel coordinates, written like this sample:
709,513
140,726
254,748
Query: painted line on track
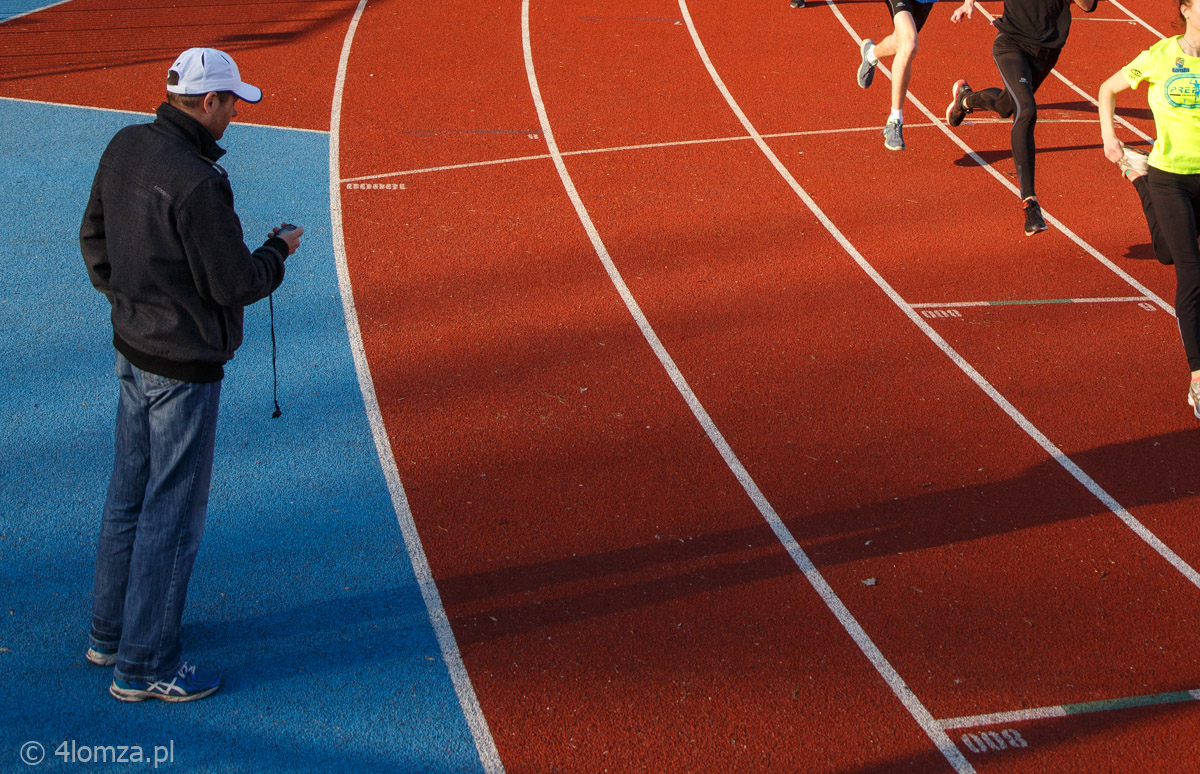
889,674
33,11
1029,302
681,143
1085,246
905,694
1066,462
930,725
1065,710
1073,87
151,115
485,745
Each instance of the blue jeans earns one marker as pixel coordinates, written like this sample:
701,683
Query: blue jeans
153,519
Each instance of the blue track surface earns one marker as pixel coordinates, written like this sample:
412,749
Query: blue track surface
303,595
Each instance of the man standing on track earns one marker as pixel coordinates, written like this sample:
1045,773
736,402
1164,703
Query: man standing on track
908,17
1030,35
162,241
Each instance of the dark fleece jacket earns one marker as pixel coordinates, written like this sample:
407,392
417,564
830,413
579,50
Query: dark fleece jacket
162,241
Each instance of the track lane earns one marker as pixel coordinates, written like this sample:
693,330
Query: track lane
1120,537
572,511
90,53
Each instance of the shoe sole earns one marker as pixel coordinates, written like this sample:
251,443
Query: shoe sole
101,659
131,695
954,101
1037,230
895,147
866,70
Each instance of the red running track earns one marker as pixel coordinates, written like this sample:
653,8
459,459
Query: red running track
619,599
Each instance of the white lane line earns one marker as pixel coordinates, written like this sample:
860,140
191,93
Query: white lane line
681,143
148,115
1030,429
485,745
1092,100
1066,462
1136,18
889,674
1029,302
1082,708
785,537
35,10
1124,275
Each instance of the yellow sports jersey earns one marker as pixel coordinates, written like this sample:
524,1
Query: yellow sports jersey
1174,98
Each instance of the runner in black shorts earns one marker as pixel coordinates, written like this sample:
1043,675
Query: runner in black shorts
1030,36
908,17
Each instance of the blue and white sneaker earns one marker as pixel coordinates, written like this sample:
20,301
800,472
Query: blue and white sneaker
101,656
186,685
1194,398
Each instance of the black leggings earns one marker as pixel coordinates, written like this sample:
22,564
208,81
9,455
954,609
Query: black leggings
1022,73
1175,215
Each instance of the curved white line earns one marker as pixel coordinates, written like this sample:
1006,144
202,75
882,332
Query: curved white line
785,537
1022,421
1128,278
1136,18
485,745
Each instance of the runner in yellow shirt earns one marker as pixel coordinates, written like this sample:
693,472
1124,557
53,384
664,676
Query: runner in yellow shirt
1171,68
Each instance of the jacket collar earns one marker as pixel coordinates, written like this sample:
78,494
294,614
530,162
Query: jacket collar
179,123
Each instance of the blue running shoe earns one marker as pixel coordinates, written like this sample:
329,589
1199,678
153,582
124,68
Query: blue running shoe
186,685
101,656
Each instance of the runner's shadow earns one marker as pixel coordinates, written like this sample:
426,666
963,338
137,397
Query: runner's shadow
992,156
515,600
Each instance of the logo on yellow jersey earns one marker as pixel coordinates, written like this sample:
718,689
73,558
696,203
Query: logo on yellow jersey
1183,91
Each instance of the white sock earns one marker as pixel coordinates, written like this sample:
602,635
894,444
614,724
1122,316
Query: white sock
871,55
897,116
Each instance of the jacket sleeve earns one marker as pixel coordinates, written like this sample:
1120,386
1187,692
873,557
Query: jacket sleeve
92,243
225,271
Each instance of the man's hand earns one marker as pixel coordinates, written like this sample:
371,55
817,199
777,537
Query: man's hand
290,234
967,10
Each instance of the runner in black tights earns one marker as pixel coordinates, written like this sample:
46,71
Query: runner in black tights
1030,34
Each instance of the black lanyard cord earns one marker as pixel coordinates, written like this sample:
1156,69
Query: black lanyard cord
274,368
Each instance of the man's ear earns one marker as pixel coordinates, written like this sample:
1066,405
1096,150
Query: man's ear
212,101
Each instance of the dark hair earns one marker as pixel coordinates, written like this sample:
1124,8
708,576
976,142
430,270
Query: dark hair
189,101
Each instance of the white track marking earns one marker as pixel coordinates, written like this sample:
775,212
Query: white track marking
1033,302
678,143
485,745
1056,454
148,115
995,718
1169,308
35,10
767,511
1071,85
1136,18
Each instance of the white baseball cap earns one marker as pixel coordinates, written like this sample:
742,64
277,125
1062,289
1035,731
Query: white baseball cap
202,70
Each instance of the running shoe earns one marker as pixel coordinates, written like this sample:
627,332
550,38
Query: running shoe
186,685
1194,398
866,70
1134,163
797,3
957,110
893,136
1033,218
101,656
